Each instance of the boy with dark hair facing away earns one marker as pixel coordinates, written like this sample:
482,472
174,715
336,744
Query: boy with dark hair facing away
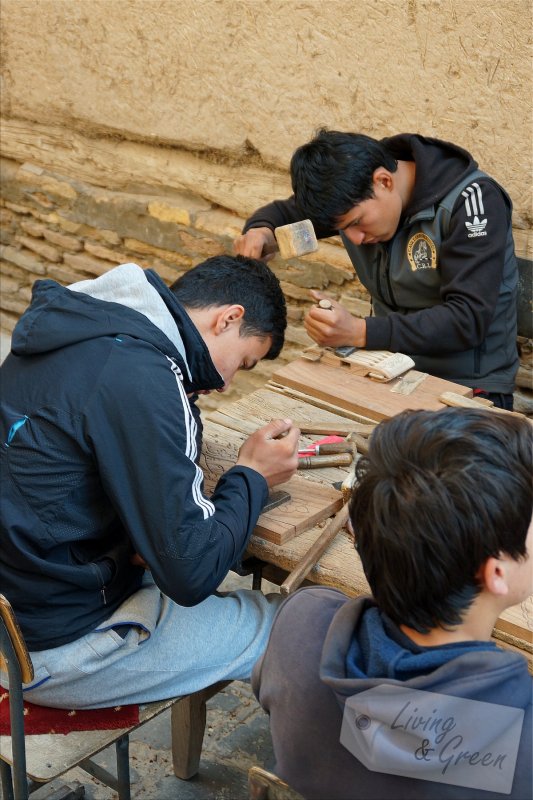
430,237
100,478
405,695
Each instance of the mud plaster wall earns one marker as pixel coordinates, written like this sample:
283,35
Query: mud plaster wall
198,105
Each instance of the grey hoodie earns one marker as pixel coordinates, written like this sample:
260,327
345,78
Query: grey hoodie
358,711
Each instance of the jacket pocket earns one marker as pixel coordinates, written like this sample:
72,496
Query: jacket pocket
104,571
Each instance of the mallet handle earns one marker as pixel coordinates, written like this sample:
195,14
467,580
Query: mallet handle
297,576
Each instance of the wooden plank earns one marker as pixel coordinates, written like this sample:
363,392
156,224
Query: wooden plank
227,418
264,404
362,395
517,621
305,508
457,401
339,567
335,428
264,785
303,511
297,576
256,409
288,391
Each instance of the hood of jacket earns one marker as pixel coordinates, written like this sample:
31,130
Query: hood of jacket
440,166
127,300
408,693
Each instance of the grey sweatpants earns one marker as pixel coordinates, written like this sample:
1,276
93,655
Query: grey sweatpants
152,649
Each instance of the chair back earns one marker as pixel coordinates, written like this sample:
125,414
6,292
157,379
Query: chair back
13,634
264,785
16,661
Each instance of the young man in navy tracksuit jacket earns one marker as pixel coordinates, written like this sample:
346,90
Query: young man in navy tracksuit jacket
100,479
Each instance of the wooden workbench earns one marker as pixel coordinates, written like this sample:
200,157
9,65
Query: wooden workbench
340,566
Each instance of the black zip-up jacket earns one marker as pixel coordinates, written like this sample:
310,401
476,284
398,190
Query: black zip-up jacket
444,288
99,451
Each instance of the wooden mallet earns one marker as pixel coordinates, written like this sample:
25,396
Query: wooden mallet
296,239
297,576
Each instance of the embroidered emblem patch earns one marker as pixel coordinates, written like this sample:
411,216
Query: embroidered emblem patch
421,252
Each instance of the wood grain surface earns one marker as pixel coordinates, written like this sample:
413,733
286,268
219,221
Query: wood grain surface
304,509
362,395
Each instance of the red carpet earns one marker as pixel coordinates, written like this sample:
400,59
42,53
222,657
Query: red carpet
40,719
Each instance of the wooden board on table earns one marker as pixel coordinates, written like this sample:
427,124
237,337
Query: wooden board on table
303,511
305,508
360,394
515,625
256,409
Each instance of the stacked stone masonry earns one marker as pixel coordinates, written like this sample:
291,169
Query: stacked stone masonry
54,226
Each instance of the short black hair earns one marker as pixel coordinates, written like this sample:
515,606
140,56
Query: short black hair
438,494
224,280
333,172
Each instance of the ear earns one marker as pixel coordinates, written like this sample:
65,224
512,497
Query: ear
382,179
493,576
227,317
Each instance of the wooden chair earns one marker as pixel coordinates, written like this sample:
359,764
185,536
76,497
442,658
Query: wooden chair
29,762
264,785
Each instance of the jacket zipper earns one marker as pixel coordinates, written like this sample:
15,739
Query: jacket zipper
385,259
98,572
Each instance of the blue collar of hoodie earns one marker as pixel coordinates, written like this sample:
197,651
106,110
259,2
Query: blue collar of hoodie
380,650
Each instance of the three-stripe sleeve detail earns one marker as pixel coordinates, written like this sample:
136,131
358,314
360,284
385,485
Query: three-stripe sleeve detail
201,501
473,200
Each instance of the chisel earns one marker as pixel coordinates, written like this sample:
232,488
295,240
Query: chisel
333,460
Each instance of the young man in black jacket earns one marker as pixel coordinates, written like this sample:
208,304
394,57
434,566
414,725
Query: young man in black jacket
404,695
430,237
100,477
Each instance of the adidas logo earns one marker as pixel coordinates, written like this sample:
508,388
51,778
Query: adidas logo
476,227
